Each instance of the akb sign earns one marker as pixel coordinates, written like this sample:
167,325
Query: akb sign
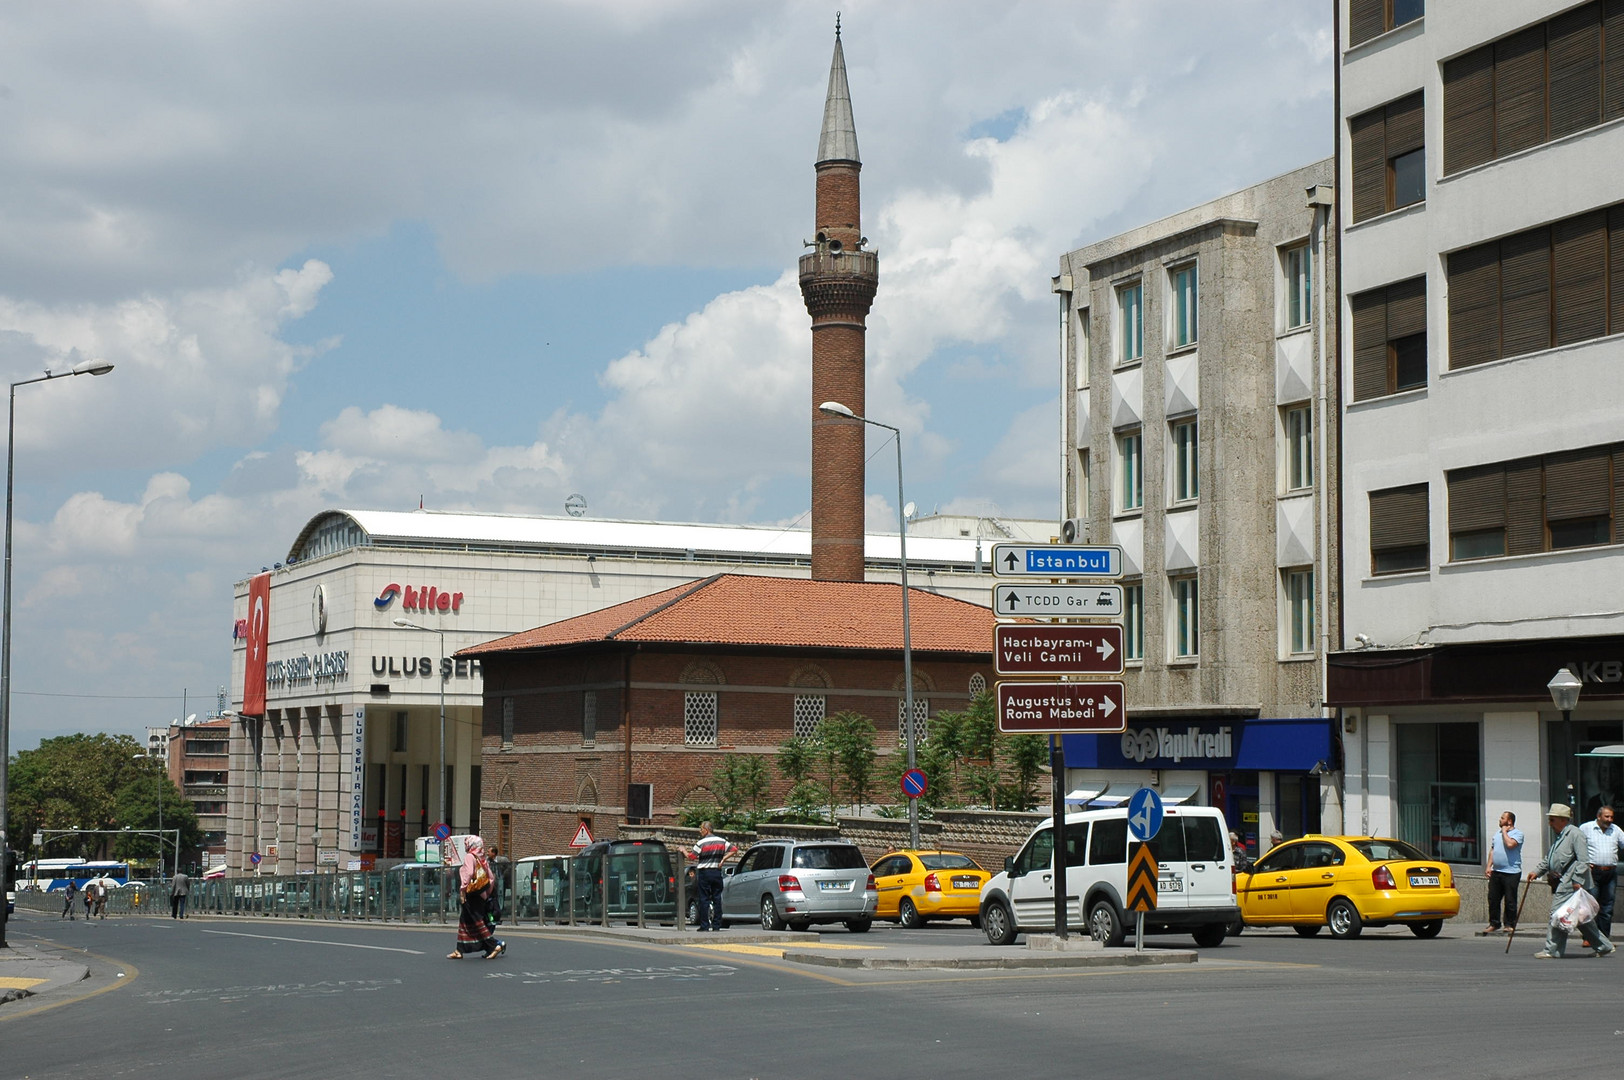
420,598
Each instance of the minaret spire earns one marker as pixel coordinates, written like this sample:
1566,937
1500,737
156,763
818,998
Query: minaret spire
838,282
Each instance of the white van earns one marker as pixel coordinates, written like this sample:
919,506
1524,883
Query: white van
1195,888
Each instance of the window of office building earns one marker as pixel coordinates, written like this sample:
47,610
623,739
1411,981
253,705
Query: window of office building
1541,83
1398,530
1554,285
1389,339
1439,780
1130,323
1299,609
1389,158
1186,594
1184,304
1130,485
1082,483
1372,18
1184,442
1298,270
1298,424
1083,356
1133,620
1536,504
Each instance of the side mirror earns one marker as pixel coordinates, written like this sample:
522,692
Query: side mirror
1009,865
727,871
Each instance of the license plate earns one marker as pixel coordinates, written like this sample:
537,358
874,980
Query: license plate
834,886
1170,884
1416,881
966,883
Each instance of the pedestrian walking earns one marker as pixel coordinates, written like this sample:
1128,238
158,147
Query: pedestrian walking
69,895
1567,867
96,899
1504,872
180,886
1240,861
476,884
708,856
1606,842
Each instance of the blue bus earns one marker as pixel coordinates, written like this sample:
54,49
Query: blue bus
50,875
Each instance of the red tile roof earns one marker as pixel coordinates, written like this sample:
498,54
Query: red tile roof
746,609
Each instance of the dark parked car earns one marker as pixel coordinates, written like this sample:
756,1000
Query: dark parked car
659,881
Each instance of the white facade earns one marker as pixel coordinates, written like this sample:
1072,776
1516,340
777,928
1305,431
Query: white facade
1477,636
352,723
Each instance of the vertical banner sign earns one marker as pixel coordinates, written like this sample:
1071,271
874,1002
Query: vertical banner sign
259,634
357,735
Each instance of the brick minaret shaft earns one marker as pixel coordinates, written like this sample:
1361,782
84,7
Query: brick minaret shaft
838,282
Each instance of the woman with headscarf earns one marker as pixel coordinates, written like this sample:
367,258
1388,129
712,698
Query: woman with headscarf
477,884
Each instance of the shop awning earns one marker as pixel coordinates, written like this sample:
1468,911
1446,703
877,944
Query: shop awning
1178,793
1285,745
1086,795
1614,751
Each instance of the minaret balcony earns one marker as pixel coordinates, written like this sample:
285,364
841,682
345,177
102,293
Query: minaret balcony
824,263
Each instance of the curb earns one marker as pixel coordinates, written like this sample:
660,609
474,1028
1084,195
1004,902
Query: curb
961,963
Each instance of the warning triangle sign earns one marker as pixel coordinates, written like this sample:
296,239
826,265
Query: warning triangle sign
1141,879
583,837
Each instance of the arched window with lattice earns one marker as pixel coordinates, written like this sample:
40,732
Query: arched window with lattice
978,684
700,708
811,705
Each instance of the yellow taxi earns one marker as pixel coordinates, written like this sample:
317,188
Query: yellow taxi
1347,883
917,886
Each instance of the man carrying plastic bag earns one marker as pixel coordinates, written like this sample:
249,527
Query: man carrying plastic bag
1567,865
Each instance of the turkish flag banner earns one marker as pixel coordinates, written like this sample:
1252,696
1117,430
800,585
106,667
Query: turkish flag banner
259,627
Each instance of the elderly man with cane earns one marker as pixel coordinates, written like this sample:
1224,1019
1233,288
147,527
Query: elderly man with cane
1567,865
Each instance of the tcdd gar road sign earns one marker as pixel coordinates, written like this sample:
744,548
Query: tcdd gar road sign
1057,601
1052,560
1056,649
1050,707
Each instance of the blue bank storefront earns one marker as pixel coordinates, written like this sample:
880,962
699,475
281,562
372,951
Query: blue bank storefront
1265,774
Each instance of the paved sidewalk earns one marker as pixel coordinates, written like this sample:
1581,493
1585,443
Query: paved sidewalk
28,969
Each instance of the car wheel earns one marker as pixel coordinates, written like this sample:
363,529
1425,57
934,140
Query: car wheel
693,909
770,919
998,924
1307,931
1103,924
1343,919
859,926
908,915
975,922
800,927
1211,936
1429,929
1236,928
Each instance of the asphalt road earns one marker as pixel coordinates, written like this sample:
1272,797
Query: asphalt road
270,998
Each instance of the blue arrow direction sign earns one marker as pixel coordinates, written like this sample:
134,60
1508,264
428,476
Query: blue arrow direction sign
1145,813
1055,560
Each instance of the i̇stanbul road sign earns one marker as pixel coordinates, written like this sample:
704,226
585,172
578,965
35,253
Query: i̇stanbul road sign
1056,649
1054,560
1057,601
1042,707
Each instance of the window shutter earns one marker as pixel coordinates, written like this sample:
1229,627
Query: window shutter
1612,59
1618,495
1477,498
1369,344
1406,126
1469,109
1519,91
1615,264
1407,308
1577,485
1574,44
1367,146
1366,19
1398,518
1474,305
1525,520
1579,277
1525,292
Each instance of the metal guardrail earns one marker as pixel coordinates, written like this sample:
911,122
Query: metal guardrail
412,893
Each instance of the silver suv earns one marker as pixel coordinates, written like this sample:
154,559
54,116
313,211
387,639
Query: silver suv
797,883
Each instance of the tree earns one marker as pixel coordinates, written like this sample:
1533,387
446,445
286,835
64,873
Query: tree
741,784
848,740
798,758
1027,755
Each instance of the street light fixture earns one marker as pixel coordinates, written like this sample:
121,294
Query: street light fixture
1564,687
409,625
835,408
87,367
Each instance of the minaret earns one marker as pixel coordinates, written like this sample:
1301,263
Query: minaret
838,281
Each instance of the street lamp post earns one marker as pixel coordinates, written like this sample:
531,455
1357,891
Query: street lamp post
1564,687
160,778
409,625
835,408
88,367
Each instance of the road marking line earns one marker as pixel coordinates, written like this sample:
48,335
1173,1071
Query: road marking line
17,982
315,941
752,950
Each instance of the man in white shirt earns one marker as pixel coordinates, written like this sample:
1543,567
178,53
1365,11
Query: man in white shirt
1606,842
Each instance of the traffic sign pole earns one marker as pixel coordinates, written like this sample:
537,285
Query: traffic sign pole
1057,771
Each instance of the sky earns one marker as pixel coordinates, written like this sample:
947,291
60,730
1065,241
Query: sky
486,255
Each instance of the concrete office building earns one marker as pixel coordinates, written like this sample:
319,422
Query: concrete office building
1483,244
1195,393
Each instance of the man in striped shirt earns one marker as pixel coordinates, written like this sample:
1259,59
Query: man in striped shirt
708,856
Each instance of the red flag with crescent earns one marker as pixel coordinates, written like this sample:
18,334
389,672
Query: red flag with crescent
259,627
